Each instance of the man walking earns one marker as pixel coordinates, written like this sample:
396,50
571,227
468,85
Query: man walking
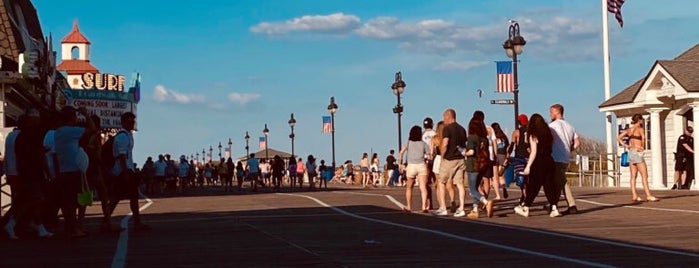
564,141
427,136
452,166
124,176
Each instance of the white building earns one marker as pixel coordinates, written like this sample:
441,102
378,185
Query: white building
665,97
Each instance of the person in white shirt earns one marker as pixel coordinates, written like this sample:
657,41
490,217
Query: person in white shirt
124,171
427,136
564,141
159,178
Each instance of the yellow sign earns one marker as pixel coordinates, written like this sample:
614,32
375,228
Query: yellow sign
104,81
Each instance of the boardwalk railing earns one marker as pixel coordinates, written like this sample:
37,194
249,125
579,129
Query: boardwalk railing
593,171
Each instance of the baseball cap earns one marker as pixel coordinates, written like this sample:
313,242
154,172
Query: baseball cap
427,123
522,119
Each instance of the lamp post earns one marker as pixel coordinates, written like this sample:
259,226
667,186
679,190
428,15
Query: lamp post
292,123
203,156
514,45
247,145
398,88
197,154
230,148
211,154
219,150
266,132
332,108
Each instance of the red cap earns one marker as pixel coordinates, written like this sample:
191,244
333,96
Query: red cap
522,118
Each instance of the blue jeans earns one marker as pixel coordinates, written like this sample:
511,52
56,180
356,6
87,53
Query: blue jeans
473,187
394,176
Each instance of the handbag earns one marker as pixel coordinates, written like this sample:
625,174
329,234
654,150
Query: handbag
625,159
85,197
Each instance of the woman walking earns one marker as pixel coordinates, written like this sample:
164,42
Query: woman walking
637,140
416,150
501,142
364,167
540,167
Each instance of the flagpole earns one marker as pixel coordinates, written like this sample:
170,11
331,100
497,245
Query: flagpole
611,155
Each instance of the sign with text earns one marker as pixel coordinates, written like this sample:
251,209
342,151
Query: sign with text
108,105
502,101
110,82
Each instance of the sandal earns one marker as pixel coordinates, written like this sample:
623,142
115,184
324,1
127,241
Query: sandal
637,199
406,210
652,199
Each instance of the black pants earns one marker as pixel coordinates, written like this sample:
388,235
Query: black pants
125,186
70,185
542,176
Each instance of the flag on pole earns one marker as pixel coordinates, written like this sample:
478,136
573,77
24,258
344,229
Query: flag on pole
327,124
505,80
263,143
614,7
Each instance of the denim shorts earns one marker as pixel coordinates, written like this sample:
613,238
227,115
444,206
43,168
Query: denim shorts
635,156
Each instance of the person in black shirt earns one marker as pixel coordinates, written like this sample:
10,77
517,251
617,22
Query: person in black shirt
452,166
684,160
392,169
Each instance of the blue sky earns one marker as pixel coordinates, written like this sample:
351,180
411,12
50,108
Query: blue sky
215,69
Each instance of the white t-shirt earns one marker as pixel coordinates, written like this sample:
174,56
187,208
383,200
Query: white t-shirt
563,138
123,144
427,138
67,148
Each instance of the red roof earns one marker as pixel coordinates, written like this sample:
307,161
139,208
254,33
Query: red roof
76,66
75,36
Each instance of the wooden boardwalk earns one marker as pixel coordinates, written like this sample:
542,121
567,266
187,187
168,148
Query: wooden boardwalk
354,227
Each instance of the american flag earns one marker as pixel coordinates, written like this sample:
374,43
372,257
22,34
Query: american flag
614,6
327,124
505,81
263,143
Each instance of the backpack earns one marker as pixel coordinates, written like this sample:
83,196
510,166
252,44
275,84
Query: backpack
107,153
483,157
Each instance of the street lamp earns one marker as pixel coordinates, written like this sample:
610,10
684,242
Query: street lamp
197,154
266,132
514,45
203,156
219,150
211,153
230,148
292,123
398,88
332,108
247,145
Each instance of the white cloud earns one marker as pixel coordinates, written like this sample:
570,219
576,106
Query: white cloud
550,37
243,98
334,23
459,65
162,94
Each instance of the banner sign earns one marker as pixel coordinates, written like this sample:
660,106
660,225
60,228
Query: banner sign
106,98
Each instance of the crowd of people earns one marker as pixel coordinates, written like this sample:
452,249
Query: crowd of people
52,160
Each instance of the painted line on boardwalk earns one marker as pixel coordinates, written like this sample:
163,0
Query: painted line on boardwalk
457,237
281,239
637,207
119,260
255,217
608,242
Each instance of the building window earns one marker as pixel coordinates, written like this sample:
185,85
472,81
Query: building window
75,53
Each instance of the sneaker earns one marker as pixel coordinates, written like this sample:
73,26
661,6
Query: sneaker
674,187
453,207
441,212
473,214
522,211
554,212
459,213
42,232
571,210
489,208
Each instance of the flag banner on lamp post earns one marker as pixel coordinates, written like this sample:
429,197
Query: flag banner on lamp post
327,124
263,143
505,79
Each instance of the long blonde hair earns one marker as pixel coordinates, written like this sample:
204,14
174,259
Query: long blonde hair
437,139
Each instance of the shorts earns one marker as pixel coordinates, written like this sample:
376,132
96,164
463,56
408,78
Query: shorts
487,172
452,169
501,159
681,164
414,170
365,169
635,157
436,164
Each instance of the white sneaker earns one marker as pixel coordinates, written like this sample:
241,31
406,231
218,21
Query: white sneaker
459,213
554,212
522,211
441,212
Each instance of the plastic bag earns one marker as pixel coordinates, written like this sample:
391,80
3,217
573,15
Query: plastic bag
85,197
